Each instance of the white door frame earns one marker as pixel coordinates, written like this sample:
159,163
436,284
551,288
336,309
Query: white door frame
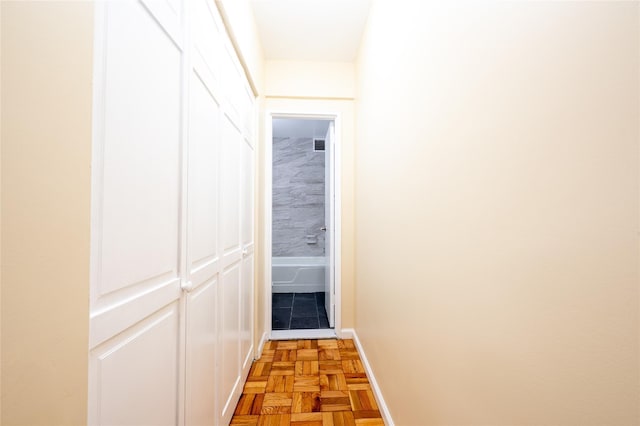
337,229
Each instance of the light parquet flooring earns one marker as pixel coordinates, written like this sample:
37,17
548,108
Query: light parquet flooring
307,383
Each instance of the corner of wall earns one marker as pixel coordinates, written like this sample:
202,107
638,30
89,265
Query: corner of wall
242,30
350,333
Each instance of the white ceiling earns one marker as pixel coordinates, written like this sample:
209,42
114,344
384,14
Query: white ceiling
299,128
311,30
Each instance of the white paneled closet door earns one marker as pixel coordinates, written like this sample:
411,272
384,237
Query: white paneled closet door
203,248
172,217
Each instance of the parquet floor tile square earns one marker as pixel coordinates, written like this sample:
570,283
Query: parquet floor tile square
277,399
366,414
335,401
306,402
307,354
267,355
328,343
271,344
330,367
335,381
282,368
274,420
340,418
244,420
307,383
249,404
307,423
328,354
352,366
287,344
280,383
369,422
307,344
346,344
362,400
254,387
259,370
353,379
348,354
285,355
307,368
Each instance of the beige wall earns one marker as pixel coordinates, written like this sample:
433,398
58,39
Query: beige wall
497,211
46,159
303,79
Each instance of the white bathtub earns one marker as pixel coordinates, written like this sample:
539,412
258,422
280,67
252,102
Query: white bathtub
297,274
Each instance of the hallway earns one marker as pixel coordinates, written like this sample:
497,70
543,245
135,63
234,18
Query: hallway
308,382
486,199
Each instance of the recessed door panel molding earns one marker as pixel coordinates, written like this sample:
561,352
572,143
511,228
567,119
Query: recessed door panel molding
139,157
133,381
246,311
115,319
230,186
207,43
248,116
200,405
168,13
247,233
232,76
203,179
247,195
229,340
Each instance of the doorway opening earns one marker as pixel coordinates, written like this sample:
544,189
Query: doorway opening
301,259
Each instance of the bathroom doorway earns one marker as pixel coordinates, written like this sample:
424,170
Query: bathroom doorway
302,255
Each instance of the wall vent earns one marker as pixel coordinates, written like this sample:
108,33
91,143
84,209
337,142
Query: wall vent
318,144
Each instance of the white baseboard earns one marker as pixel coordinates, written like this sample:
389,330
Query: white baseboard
346,333
350,333
263,340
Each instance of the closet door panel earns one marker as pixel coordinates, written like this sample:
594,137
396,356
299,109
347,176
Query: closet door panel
229,307
137,372
247,216
203,206
200,404
135,307
230,187
246,311
230,383
140,152
207,44
247,194
202,254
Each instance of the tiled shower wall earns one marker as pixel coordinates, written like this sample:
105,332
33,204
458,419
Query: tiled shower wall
298,198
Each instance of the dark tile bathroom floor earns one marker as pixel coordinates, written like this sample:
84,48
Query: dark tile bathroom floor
296,311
